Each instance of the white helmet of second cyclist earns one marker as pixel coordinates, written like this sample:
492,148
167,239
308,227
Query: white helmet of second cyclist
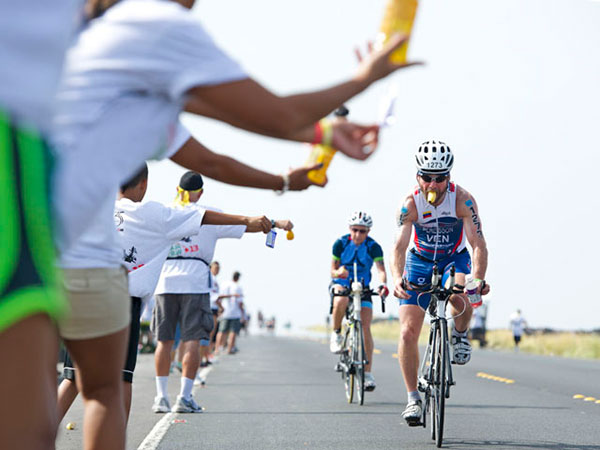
434,157
360,218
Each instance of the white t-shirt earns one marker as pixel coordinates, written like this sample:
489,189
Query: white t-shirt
146,232
186,270
518,324
214,291
231,305
124,85
99,246
34,35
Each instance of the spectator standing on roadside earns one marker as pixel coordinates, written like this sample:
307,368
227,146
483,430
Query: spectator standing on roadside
183,296
518,324
233,311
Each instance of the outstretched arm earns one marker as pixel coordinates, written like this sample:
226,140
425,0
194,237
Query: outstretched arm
193,155
290,117
253,224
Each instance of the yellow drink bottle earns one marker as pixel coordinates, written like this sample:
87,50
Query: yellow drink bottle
399,17
323,154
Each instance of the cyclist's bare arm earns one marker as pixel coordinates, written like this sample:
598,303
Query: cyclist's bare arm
193,155
466,209
337,270
380,265
406,215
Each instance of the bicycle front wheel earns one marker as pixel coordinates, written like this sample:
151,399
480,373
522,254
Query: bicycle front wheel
348,370
441,362
359,362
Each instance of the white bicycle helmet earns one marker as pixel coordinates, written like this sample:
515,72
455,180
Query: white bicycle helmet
360,218
434,157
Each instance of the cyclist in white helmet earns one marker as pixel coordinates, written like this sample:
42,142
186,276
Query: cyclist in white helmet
444,216
359,247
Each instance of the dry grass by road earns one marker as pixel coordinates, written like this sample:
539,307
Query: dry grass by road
566,344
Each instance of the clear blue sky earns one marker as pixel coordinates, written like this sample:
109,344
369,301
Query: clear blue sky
512,86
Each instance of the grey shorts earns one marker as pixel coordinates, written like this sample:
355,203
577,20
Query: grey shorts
191,311
226,325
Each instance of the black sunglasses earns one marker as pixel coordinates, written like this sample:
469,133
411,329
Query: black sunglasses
358,230
428,178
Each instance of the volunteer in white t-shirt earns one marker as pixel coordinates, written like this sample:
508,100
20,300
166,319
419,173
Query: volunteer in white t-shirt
183,296
137,64
34,35
233,311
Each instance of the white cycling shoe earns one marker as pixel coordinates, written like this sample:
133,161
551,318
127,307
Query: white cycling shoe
413,413
335,343
370,384
461,350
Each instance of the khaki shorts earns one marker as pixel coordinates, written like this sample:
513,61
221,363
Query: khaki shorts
99,302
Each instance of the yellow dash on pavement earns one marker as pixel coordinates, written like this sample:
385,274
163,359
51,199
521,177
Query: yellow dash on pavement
578,396
589,399
395,355
597,401
494,378
376,351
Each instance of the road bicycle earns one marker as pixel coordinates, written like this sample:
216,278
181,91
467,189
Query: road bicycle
435,372
353,357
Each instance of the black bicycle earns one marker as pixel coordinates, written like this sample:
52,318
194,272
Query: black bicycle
353,357
435,373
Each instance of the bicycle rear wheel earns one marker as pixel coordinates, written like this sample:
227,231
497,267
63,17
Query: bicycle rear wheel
440,381
359,362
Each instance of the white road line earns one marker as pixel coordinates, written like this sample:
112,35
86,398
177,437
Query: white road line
153,439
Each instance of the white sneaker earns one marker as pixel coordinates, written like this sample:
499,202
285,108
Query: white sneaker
183,405
161,405
335,343
370,384
199,381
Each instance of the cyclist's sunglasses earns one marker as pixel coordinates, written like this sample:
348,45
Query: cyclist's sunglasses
359,230
428,178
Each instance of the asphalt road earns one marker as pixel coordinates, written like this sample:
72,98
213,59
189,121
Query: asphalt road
282,393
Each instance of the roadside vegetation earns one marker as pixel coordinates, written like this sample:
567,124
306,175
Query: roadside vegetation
585,345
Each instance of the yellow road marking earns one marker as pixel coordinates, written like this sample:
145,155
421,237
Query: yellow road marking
597,401
395,355
578,396
589,399
495,378
376,351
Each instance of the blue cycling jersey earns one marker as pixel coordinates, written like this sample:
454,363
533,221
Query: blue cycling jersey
347,252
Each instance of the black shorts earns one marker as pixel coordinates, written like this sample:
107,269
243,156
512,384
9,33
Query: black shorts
517,339
132,346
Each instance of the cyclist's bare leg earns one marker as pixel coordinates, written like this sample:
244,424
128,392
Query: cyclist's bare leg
460,307
411,322
340,304
162,358
366,315
29,348
100,382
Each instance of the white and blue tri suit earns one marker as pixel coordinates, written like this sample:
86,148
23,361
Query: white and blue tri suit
439,237
347,252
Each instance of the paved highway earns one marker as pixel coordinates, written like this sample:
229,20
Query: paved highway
282,393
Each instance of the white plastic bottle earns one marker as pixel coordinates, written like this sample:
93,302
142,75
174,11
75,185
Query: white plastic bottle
474,297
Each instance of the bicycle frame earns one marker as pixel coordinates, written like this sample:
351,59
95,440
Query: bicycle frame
435,372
